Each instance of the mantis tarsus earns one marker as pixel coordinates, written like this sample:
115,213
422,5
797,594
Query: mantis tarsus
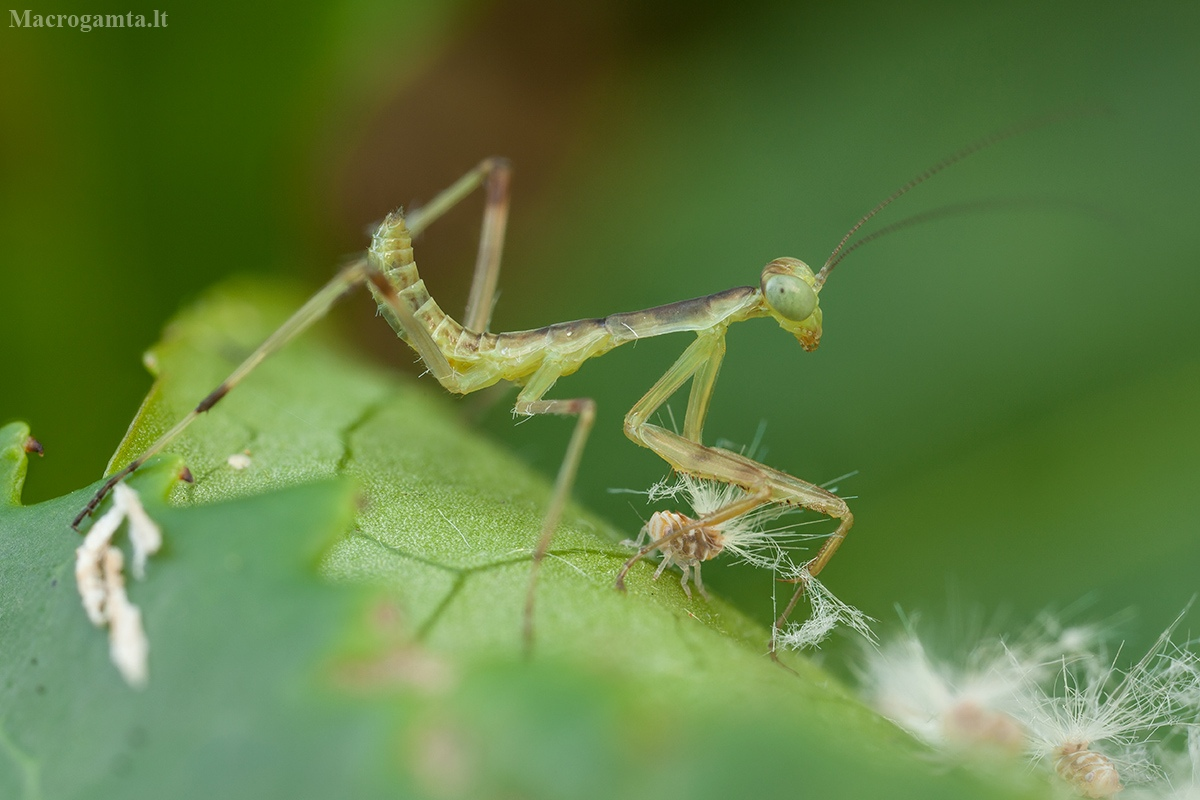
466,357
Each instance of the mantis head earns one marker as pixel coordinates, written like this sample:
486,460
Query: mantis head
789,288
789,293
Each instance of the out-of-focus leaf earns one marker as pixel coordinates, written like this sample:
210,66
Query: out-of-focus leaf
240,628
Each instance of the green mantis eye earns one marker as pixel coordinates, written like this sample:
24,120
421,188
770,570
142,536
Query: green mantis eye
791,297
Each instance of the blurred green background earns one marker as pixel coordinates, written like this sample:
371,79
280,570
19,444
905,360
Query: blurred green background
1017,390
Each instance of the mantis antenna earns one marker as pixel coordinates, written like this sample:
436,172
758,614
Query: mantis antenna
840,253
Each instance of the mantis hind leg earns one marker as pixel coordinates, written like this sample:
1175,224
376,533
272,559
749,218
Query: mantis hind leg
349,278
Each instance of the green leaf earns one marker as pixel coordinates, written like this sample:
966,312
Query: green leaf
15,446
233,698
400,669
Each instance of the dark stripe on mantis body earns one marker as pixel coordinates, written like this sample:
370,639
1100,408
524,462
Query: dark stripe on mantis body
699,313
515,355
488,357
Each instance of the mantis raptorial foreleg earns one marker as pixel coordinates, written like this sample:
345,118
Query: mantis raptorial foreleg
685,453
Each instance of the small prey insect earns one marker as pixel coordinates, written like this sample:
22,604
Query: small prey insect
749,540
466,357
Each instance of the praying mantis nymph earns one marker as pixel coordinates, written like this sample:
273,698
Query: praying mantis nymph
466,357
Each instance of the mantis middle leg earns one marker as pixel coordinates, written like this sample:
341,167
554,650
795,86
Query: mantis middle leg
530,402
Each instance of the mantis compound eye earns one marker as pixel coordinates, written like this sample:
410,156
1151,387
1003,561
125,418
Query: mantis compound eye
790,296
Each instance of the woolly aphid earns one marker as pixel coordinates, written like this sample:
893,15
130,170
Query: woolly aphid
748,540
1097,725
1050,695
965,705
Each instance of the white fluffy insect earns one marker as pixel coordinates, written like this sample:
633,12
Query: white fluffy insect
948,705
747,539
687,551
1097,725
966,703
744,537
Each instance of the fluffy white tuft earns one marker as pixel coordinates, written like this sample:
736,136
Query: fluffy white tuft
828,612
748,540
1180,776
1092,705
89,556
970,700
100,578
128,646
1052,695
144,533
238,461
